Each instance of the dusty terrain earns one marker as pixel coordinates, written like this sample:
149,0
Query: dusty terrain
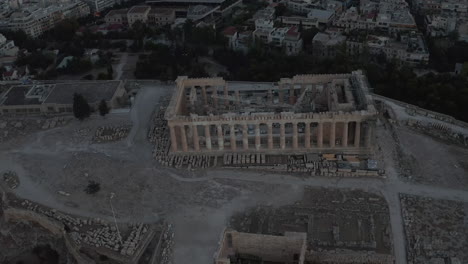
200,204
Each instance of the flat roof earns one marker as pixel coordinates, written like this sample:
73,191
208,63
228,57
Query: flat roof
119,12
93,92
139,9
17,96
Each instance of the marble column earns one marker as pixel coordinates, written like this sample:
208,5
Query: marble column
344,141
270,96
258,142
368,138
214,95
237,97
332,134
196,142
219,129
307,136
295,136
270,136
233,138
292,98
280,93
226,102
245,137
282,136
320,135
205,98
207,137
183,138
173,138
357,134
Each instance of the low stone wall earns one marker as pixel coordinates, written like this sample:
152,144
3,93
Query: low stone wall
55,227
424,112
349,258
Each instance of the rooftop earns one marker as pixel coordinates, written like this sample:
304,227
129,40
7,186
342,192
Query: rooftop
139,9
94,92
117,12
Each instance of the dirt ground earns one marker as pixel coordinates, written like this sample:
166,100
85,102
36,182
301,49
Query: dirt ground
200,204
435,229
432,161
331,218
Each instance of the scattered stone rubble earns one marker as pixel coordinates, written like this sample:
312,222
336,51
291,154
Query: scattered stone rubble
95,232
11,127
56,121
159,133
11,179
190,161
328,165
111,133
326,216
166,251
239,159
439,131
435,230
80,135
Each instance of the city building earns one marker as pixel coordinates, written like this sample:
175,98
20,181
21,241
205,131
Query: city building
35,19
58,98
7,47
117,16
302,7
267,13
323,17
263,29
326,45
161,17
306,113
292,41
440,25
97,6
410,49
304,22
392,16
138,13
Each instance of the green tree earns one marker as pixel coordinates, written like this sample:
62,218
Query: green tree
103,108
81,108
280,9
110,71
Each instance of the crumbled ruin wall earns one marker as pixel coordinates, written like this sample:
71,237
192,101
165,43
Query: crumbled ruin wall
13,214
349,258
268,247
55,227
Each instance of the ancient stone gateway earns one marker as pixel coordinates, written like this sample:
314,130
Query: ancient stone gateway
306,113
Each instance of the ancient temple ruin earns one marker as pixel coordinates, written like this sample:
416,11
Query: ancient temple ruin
306,113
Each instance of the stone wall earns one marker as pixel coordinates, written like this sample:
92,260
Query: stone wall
267,247
14,214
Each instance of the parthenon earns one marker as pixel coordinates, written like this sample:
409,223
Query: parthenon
305,113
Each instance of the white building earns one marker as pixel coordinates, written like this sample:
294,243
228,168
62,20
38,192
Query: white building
7,47
439,25
410,49
138,13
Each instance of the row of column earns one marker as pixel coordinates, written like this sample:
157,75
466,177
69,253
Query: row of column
245,140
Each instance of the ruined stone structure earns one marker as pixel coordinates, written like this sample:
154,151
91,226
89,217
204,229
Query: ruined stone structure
306,113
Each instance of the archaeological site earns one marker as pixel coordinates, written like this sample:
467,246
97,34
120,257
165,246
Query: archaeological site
310,169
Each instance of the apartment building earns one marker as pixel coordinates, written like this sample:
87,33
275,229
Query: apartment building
138,13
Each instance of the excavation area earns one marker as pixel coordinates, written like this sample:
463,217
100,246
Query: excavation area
110,189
